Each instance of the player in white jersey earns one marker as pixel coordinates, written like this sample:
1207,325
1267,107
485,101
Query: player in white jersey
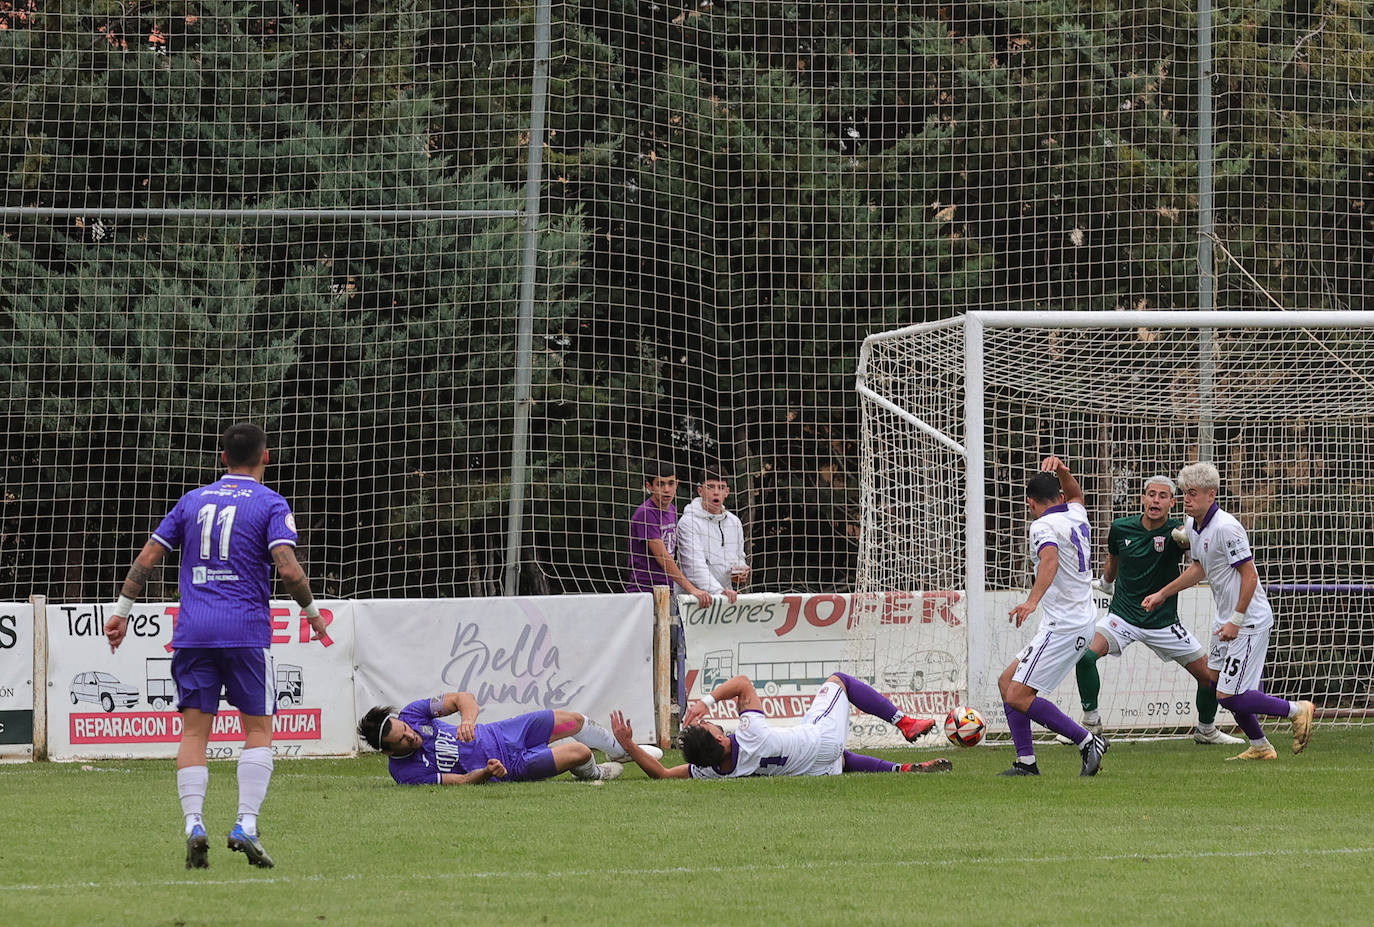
814,747
1220,551
1061,549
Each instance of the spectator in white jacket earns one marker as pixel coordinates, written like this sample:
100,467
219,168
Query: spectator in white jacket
710,541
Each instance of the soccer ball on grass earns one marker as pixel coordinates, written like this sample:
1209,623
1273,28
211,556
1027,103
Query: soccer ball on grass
964,726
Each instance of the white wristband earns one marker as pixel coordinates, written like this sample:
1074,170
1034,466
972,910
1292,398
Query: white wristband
312,610
123,607
1238,619
708,700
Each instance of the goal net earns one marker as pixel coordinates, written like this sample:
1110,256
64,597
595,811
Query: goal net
957,415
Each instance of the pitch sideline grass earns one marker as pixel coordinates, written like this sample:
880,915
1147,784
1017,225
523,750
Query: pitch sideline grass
1168,834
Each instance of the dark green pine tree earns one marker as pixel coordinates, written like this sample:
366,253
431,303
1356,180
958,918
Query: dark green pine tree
1295,163
782,181
377,352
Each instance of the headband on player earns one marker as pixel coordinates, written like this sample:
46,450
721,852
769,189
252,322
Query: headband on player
1159,480
382,730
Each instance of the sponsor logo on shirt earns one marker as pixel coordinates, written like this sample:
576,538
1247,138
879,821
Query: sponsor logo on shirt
291,522
446,750
201,575
229,490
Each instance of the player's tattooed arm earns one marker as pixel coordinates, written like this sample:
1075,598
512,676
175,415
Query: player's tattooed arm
142,569
117,624
292,574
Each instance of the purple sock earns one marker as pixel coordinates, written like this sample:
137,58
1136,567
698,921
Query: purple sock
868,699
1249,724
1255,702
1047,714
857,762
1020,731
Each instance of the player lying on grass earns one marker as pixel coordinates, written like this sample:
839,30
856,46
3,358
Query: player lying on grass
1143,552
425,750
1220,551
815,747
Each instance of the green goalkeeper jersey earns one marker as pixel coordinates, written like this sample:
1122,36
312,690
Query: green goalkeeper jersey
1146,561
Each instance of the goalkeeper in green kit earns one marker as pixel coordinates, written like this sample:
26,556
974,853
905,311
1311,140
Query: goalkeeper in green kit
1143,554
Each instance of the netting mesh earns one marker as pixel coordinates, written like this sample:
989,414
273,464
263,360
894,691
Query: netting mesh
1286,414
913,491
731,195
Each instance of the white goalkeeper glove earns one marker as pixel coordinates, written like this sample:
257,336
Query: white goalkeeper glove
1180,536
1104,585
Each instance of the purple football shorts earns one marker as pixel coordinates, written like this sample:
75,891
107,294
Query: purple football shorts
247,676
522,744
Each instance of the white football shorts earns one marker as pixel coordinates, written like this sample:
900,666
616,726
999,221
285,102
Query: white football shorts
1047,659
1239,663
1172,643
829,713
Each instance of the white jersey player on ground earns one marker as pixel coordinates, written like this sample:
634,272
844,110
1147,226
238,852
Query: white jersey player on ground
1220,551
813,747
1061,549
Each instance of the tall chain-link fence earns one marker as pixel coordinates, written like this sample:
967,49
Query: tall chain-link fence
473,266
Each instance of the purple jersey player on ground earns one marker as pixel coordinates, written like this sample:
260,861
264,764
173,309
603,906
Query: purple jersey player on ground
230,533
425,750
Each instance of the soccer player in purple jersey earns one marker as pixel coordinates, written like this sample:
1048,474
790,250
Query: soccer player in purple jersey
814,747
423,749
231,533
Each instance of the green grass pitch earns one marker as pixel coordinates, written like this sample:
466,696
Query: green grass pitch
1169,833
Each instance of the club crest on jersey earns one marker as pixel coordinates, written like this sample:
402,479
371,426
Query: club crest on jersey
1159,544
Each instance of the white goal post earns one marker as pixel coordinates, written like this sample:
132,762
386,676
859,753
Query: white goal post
957,414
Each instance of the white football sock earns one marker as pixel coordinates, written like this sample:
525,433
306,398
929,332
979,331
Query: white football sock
255,772
1026,760
1293,709
1206,728
597,737
1091,717
587,770
192,782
